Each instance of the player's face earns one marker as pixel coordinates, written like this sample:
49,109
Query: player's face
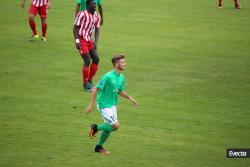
92,6
121,64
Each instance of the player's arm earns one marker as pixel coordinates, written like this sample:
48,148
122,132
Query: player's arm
97,34
97,30
22,3
100,9
76,35
100,86
77,25
125,95
92,101
48,4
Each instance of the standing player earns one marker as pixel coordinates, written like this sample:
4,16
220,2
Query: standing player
85,23
81,5
40,7
236,4
105,94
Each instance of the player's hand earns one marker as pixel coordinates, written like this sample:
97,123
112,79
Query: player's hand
89,109
48,5
78,46
132,100
22,5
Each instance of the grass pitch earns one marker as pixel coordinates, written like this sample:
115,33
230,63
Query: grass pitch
188,68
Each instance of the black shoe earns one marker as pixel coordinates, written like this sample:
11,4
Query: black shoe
87,87
93,130
100,149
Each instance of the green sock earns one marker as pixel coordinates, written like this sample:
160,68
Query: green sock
105,127
103,137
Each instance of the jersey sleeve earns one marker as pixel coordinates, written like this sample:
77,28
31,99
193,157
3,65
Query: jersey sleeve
79,18
101,84
98,20
79,1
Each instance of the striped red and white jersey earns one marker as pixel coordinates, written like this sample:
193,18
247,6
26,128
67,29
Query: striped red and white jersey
87,23
39,2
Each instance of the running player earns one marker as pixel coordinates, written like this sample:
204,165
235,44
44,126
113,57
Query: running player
105,94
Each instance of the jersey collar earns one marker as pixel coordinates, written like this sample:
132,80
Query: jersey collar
117,74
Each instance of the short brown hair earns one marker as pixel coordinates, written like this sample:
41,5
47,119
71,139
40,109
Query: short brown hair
116,58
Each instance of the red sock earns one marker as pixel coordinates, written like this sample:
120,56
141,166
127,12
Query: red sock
44,29
33,26
85,74
93,69
220,2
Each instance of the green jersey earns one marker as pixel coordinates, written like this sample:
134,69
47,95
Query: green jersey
108,88
83,3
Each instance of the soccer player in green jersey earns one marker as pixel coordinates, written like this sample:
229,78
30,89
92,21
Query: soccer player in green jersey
105,94
81,5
